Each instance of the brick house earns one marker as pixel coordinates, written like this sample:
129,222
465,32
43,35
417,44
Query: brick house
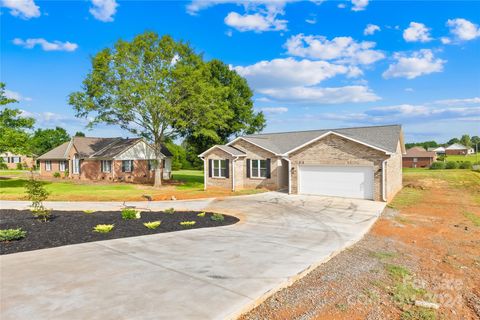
363,162
418,157
456,149
12,160
108,159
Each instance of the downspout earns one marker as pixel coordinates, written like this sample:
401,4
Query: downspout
289,174
233,173
204,173
384,198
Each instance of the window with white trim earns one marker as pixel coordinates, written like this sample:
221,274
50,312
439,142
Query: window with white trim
127,165
61,166
106,166
415,159
76,165
219,168
48,165
258,168
16,159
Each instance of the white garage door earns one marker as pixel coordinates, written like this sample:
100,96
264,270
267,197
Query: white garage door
339,181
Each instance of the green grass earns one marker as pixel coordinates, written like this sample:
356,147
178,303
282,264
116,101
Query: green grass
418,314
383,255
407,197
471,158
397,272
473,218
191,179
13,172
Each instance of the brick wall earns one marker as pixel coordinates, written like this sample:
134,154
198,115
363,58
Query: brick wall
335,150
393,175
456,152
217,154
407,162
55,167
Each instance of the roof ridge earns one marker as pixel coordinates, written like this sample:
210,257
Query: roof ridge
331,129
116,140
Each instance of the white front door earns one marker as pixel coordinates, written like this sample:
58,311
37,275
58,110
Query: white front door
340,181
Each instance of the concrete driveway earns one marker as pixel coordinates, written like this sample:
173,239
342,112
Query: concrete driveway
213,273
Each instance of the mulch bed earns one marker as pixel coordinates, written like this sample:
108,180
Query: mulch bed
70,227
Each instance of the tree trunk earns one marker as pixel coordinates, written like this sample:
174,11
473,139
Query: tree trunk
158,167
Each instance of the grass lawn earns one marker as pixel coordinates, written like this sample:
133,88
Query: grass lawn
471,158
12,172
187,184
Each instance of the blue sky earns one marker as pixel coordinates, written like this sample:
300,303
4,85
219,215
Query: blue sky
311,64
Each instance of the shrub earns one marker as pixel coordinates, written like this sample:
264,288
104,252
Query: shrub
437,165
56,174
88,211
103,228
169,211
465,165
19,166
451,165
12,234
152,224
3,165
65,174
201,214
187,223
130,214
37,193
217,217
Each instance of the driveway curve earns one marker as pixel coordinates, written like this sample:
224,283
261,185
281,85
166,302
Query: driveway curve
215,273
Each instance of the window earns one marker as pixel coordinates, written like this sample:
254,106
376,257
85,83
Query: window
259,169
61,166
219,168
16,159
48,165
127,165
76,165
151,165
415,159
106,165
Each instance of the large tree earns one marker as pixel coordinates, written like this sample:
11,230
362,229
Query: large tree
44,140
154,87
240,117
465,140
14,127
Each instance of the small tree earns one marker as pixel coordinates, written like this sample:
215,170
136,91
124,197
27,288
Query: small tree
37,193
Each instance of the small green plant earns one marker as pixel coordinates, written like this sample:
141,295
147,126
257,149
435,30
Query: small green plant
152,225
187,223
56,174
383,255
217,217
465,165
397,272
88,211
201,214
451,165
65,174
37,193
130,214
418,314
3,165
341,306
103,228
12,234
169,210
437,165
472,217
19,166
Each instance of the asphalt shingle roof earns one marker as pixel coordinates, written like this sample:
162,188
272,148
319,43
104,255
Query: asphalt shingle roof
383,137
56,153
231,150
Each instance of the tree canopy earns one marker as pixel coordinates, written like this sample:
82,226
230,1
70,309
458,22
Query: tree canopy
159,88
44,140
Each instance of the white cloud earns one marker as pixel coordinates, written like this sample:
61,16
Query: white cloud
445,40
342,5
24,9
282,73
311,21
418,63
371,29
104,10
417,32
341,49
319,95
463,30
273,110
359,5
15,95
255,22
46,45
409,90
465,101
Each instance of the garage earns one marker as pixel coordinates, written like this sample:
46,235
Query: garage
339,181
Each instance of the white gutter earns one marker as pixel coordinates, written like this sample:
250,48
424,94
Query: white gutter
384,198
289,175
204,173
233,173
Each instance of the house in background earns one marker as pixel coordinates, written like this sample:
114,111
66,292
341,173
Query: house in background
364,162
457,149
109,159
418,157
12,160
437,150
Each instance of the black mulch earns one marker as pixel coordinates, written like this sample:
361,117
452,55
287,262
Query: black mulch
70,227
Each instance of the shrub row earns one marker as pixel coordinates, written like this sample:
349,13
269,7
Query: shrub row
451,165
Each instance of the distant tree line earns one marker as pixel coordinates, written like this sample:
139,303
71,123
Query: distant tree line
465,140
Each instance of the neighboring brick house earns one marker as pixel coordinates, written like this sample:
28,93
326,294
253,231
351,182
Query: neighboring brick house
418,157
363,162
12,160
109,159
457,149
